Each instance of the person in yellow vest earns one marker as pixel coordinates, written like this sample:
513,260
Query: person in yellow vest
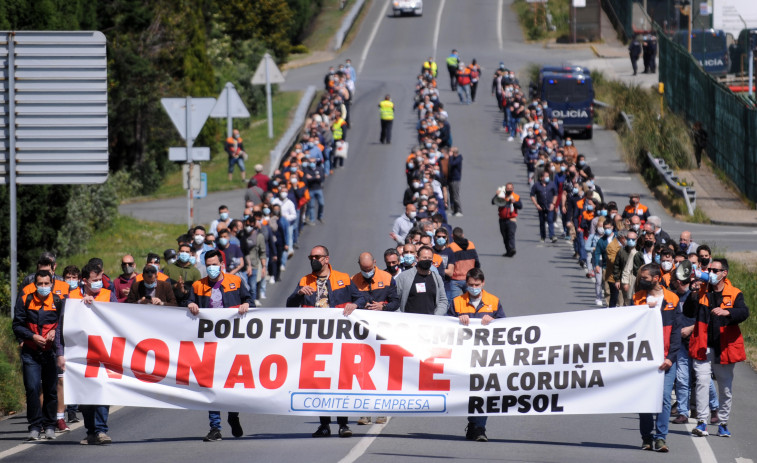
429,66
386,109
339,133
476,303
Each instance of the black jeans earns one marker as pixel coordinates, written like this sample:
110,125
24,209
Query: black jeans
40,374
507,228
326,420
386,131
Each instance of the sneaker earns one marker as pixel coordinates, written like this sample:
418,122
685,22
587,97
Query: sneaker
33,435
553,239
258,303
380,420
510,138
541,240
236,427
50,433
458,214
681,419
647,444
72,418
700,430
476,433
345,431
321,220
272,280
723,430
364,420
283,268
61,426
661,446
102,439
89,440
213,435
600,302
323,430
714,417
674,409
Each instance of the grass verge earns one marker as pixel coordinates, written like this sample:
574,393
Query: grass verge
11,382
533,19
324,27
257,145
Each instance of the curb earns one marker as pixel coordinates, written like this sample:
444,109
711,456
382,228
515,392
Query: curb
596,52
733,224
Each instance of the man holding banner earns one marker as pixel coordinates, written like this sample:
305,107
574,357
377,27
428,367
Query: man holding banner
652,293
218,290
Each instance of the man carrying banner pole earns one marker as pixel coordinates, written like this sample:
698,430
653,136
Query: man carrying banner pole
652,293
218,290
325,287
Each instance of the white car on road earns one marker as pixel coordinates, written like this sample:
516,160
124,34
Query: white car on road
414,7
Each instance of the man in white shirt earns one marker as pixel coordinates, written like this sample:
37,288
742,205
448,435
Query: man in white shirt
403,224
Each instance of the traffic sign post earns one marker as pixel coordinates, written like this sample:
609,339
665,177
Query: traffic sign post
268,73
188,116
230,106
55,128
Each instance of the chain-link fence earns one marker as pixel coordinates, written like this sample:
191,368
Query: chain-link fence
730,120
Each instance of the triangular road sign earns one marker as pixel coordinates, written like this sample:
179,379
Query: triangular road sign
274,75
177,111
229,94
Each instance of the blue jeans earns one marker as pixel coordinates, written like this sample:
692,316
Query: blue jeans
95,418
683,384
252,284
40,375
479,421
463,92
456,288
647,420
215,418
316,198
548,217
236,162
579,246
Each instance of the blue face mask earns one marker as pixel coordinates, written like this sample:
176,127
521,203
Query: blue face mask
589,207
475,292
192,260
575,191
430,233
266,211
184,256
568,143
214,271
151,285
657,259
582,163
223,241
608,231
603,213
96,285
441,241
312,165
368,275
73,284
44,291
558,159
224,215
408,259
631,243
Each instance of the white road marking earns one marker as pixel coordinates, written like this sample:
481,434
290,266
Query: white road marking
706,455
499,24
744,460
376,26
359,449
438,25
27,445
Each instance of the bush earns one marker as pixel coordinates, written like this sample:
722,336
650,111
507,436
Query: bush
533,18
12,395
91,208
299,49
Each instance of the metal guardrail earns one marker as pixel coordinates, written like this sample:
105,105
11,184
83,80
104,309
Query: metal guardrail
288,139
347,24
688,193
671,179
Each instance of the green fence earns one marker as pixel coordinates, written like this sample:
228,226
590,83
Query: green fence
730,120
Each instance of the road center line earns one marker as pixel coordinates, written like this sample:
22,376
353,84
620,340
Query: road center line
382,13
359,449
438,25
706,455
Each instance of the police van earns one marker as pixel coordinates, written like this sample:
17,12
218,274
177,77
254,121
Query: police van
709,47
569,94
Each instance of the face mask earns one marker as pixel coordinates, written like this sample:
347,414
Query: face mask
704,260
714,278
581,163
44,291
568,143
657,259
667,265
430,233
73,284
428,145
151,285
248,229
646,285
368,275
266,211
312,165
545,180
608,231
155,266
184,256
223,241
416,185
475,292
316,265
558,159
392,269
424,264
589,207
214,271
96,286
283,195
293,169
630,243
648,244
612,216
635,227
199,239
441,241
192,260
603,213
552,168
410,165
411,215
563,168
275,183
575,191
408,259
224,215
128,269
171,261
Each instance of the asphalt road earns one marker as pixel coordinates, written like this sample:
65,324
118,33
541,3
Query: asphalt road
362,201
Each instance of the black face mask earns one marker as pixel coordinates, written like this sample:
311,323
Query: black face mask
648,244
646,285
392,269
316,265
704,261
424,264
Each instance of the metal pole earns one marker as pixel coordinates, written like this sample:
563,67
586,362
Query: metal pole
269,104
12,165
751,68
229,88
190,195
691,13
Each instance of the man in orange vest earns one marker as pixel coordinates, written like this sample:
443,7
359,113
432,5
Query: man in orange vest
463,83
716,344
476,303
508,203
235,149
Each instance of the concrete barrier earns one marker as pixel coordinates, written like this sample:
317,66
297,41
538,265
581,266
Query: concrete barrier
289,137
347,23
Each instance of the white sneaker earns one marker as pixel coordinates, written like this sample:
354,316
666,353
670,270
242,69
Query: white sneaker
510,138
261,297
272,281
458,214
283,268
600,302
257,303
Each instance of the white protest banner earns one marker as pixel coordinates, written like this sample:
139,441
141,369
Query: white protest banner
316,361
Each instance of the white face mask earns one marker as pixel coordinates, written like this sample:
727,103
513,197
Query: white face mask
666,266
199,239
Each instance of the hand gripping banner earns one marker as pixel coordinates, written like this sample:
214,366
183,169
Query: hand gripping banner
288,361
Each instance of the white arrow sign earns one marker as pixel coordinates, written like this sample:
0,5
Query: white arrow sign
274,75
177,111
180,154
229,104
